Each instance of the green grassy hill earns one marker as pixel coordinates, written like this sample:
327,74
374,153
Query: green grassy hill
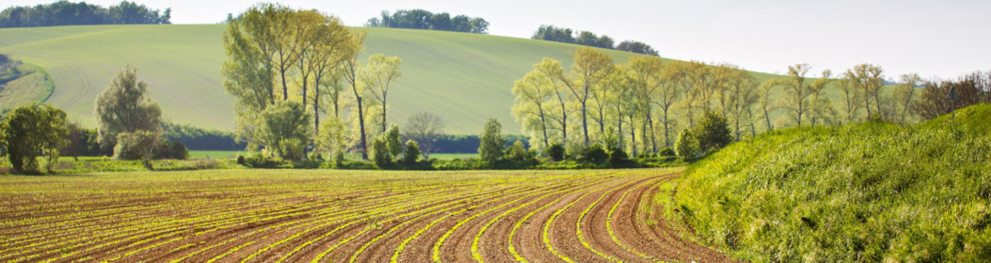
869,192
26,82
464,78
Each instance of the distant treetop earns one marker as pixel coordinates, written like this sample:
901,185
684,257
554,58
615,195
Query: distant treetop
63,13
586,38
423,19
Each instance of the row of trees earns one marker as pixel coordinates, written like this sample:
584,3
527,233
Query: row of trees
283,65
423,19
63,12
646,101
970,89
586,38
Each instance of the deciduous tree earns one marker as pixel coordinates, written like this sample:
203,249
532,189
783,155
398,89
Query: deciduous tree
590,67
124,107
30,130
424,128
380,72
492,141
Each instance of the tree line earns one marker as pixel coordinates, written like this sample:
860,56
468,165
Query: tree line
642,105
286,68
423,19
62,13
586,38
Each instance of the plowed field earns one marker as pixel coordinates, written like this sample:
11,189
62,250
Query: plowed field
341,216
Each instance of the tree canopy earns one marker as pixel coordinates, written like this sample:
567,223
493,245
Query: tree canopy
30,130
586,38
123,107
423,19
63,13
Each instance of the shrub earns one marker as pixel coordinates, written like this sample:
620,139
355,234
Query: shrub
170,150
285,128
712,132
240,159
667,151
380,152
412,152
686,146
618,157
259,160
556,152
491,141
516,152
137,145
594,154
394,141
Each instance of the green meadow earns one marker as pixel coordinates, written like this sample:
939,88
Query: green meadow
464,78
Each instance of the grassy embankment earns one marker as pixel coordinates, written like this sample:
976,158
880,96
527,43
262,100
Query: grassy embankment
867,192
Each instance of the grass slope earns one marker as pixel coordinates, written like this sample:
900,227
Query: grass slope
30,83
868,192
464,78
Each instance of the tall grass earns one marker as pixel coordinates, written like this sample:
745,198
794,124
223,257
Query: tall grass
867,192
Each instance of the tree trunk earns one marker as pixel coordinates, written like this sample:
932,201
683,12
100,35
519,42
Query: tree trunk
305,76
585,122
285,88
543,126
667,130
653,137
767,116
383,112
619,125
316,104
633,135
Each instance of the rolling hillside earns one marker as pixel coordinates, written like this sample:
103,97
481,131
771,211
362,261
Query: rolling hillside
464,78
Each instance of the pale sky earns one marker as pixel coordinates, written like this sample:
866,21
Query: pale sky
933,38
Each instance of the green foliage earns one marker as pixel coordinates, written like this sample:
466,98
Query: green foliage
68,13
618,157
667,151
423,19
516,152
870,192
395,144
197,138
412,153
259,160
595,154
123,107
556,152
687,146
636,47
712,132
170,150
139,145
492,141
31,130
286,129
380,152
332,140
